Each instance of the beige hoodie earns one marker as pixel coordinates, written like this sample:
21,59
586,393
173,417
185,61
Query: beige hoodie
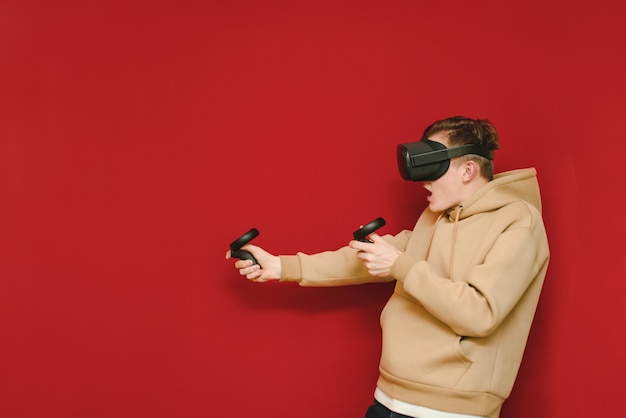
467,286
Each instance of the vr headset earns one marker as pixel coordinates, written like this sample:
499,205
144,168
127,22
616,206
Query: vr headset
428,160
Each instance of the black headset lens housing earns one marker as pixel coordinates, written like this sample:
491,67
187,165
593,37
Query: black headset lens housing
428,160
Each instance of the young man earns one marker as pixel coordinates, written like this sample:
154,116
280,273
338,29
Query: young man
468,277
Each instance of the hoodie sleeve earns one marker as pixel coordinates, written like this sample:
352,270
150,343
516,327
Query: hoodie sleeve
476,305
334,268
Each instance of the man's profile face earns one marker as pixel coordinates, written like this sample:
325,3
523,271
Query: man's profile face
445,192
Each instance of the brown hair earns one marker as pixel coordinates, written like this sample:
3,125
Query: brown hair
461,130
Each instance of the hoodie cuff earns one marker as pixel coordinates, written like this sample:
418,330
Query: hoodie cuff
401,267
290,269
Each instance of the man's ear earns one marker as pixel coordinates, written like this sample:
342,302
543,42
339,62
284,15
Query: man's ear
471,170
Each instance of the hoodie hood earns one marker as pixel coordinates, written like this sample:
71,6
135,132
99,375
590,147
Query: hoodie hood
505,188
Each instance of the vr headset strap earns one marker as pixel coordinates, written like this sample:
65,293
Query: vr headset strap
447,153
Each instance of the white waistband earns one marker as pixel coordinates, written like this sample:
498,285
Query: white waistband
416,411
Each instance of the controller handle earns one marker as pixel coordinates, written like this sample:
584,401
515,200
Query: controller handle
235,246
362,233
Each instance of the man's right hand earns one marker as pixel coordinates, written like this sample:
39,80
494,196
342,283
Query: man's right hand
271,266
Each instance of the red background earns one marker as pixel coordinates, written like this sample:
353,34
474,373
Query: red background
139,138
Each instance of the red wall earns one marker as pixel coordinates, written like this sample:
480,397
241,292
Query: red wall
139,138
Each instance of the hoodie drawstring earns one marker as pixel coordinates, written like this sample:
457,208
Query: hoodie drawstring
457,215
432,234
456,226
